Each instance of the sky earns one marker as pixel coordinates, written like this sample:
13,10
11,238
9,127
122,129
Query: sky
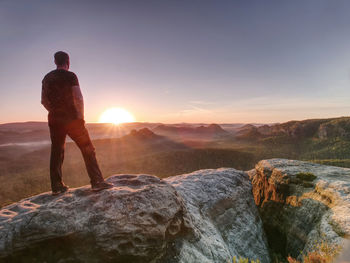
181,61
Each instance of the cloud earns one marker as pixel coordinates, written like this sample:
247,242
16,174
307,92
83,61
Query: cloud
201,102
260,109
194,110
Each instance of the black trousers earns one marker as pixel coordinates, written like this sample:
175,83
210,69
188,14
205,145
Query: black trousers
78,133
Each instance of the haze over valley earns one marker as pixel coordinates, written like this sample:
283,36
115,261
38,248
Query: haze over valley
165,149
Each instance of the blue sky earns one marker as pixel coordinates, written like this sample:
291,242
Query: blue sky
181,61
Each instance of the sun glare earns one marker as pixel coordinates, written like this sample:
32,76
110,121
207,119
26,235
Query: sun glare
116,116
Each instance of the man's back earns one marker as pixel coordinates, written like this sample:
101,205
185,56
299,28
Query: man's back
61,96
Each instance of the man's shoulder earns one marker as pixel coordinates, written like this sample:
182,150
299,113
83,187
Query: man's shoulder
48,75
55,73
69,74
74,76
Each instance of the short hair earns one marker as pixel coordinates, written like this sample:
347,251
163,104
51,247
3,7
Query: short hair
61,58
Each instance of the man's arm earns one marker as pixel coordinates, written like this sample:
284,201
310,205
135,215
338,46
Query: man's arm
44,100
77,97
78,101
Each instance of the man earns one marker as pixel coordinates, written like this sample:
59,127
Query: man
62,97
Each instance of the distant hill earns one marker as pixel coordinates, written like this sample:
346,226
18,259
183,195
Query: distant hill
23,126
312,128
211,131
23,132
137,142
143,134
247,131
313,139
31,132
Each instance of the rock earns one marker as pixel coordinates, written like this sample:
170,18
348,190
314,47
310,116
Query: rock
132,222
206,216
223,214
297,209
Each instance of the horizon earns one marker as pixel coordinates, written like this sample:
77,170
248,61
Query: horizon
172,62
187,123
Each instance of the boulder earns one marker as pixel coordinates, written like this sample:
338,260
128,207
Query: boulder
300,203
206,216
223,214
133,222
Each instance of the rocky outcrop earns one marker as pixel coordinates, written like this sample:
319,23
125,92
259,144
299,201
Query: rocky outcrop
300,203
133,222
224,214
206,216
298,130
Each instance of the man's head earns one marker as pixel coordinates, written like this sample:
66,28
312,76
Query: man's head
62,60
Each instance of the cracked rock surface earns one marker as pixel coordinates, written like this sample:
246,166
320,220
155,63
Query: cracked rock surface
132,222
302,202
205,216
224,215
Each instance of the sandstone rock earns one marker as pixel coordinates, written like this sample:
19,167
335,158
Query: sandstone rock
224,216
206,216
296,212
132,222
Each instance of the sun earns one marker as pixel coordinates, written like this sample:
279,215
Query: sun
116,116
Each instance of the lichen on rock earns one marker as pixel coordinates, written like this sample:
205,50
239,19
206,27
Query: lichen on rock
295,215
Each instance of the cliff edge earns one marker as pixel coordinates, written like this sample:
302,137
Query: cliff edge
205,216
281,207
300,203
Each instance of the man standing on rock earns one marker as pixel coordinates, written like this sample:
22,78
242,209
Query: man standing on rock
62,97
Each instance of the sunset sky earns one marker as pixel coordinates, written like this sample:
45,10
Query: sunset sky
181,61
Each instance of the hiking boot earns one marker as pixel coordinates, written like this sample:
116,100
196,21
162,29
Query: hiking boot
60,190
101,185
